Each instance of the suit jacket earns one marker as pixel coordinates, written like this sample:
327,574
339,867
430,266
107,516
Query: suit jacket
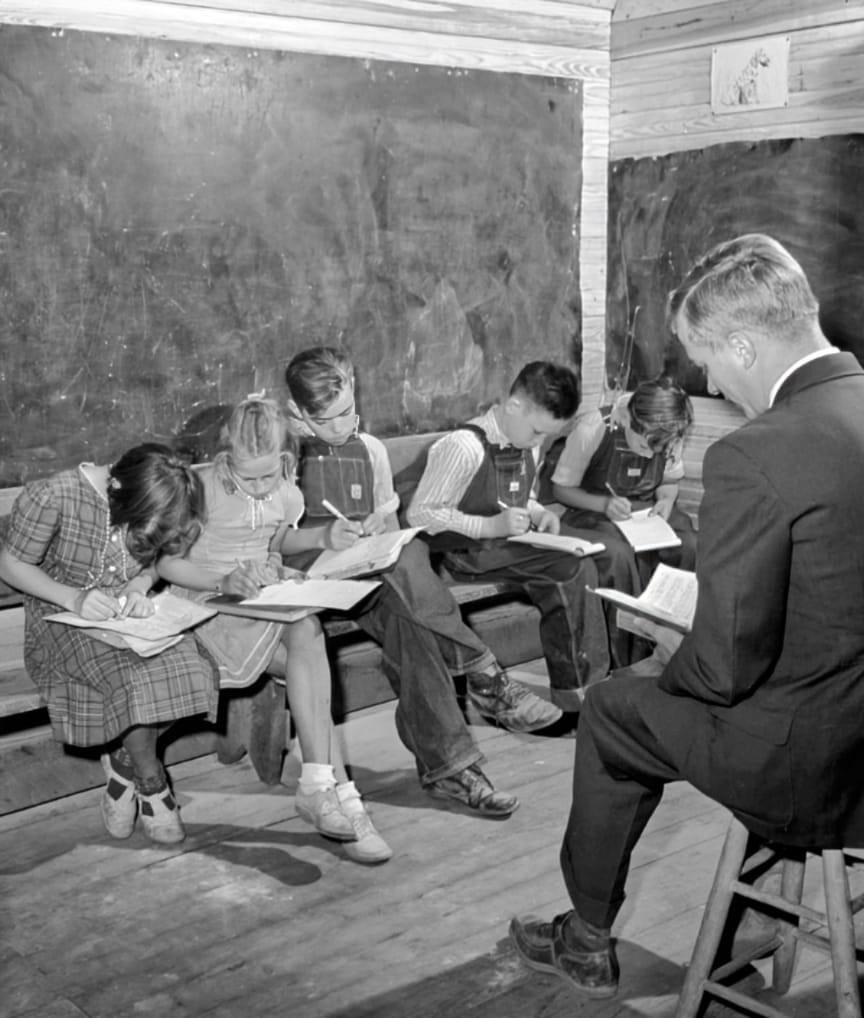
776,652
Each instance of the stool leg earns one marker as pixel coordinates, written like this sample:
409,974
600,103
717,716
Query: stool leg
842,934
267,731
791,889
714,920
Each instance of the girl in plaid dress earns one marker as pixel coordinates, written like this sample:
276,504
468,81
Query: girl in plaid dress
86,540
253,506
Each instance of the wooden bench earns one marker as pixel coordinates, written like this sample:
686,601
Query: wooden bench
38,769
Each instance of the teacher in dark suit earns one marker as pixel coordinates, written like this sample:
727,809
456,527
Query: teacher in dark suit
761,705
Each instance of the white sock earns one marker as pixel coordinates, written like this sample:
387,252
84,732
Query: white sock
314,776
349,798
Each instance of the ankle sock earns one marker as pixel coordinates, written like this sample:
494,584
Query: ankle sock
349,798
314,776
153,784
121,764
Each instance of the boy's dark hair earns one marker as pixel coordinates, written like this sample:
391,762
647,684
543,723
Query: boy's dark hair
551,387
158,498
318,376
661,411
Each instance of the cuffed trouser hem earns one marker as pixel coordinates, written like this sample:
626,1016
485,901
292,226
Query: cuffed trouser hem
481,664
448,770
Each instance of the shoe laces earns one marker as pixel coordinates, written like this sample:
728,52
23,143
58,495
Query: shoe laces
362,824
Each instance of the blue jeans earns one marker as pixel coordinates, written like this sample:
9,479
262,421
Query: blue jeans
572,623
417,622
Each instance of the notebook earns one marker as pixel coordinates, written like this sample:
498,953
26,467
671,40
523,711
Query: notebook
669,598
647,531
291,599
147,636
559,542
367,555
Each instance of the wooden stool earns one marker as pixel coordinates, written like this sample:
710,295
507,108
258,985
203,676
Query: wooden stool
730,883
257,722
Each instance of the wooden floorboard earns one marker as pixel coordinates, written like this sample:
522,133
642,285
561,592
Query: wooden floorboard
256,915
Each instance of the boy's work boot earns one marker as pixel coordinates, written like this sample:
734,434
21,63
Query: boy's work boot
504,702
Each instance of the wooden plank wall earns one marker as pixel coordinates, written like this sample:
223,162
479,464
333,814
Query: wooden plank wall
542,37
661,61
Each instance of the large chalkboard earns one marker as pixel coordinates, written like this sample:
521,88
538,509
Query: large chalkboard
176,220
665,213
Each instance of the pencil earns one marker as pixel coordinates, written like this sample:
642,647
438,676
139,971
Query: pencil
332,509
611,490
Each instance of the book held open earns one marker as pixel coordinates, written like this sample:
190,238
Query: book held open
647,531
367,555
669,598
291,599
149,636
558,542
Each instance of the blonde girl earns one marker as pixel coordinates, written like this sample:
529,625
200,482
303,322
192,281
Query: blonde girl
252,510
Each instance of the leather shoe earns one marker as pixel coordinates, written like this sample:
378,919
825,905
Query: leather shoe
586,959
501,701
473,791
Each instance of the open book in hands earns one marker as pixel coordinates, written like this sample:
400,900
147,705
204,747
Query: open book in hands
172,616
366,556
647,530
292,599
669,599
558,542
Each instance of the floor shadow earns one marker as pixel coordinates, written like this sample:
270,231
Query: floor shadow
498,985
258,848
814,1002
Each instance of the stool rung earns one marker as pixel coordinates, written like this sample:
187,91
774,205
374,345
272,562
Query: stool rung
802,911
742,1000
743,959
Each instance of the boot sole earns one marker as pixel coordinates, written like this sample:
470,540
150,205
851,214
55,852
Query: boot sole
595,992
460,806
476,716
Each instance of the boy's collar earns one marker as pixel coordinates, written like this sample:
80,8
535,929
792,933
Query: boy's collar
496,416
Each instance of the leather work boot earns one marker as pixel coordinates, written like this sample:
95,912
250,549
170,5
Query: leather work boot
569,947
504,702
473,791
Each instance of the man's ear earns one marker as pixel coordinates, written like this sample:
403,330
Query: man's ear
743,348
512,404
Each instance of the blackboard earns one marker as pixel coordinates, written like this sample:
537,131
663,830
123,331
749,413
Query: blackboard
177,220
664,213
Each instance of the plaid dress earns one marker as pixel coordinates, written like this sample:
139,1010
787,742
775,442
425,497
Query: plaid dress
95,692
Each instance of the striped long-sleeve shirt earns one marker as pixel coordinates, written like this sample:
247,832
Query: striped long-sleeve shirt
452,463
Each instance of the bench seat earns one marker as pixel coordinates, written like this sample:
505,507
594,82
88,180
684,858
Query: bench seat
38,769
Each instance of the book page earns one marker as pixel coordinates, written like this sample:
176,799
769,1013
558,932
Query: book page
646,531
366,555
172,615
669,598
340,594
559,542
672,591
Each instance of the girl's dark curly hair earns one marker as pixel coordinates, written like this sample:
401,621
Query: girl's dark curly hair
158,498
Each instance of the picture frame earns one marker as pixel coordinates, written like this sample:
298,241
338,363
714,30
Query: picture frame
750,75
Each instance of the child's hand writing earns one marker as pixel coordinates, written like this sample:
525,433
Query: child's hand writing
513,520
244,581
375,523
618,508
344,533
95,604
136,605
